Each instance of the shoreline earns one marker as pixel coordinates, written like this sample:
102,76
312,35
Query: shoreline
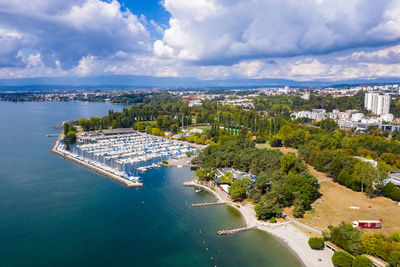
286,232
295,240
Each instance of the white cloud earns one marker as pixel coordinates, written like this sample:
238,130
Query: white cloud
88,65
66,31
385,55
208,39
219,32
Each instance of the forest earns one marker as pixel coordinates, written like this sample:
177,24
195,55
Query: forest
333,151
282,180
321,145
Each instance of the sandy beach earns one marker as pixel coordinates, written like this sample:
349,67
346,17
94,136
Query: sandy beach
286,232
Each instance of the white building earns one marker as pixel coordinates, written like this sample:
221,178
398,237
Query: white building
387,117
357,116
378,104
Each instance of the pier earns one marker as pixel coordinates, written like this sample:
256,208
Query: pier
234,231
208,204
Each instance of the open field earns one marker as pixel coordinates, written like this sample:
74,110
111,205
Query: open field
334,207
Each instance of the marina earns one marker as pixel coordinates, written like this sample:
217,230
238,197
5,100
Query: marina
123,154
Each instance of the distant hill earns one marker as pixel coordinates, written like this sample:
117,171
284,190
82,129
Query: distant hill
123,81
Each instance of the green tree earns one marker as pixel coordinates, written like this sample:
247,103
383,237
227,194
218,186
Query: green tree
362,261
139,126
298,138
205,174
342,259
238,189
347,237
329,124
394,258
288,162
262,181
227,178
366,174
266,209
298,209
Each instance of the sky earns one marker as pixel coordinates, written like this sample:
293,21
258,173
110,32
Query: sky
207,39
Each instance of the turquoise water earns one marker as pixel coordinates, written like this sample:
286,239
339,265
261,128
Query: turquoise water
56,213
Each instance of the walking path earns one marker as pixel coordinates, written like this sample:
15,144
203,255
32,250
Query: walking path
302,225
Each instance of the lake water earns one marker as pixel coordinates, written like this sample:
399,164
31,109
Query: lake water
56,213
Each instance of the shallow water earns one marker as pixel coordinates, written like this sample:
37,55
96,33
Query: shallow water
54,212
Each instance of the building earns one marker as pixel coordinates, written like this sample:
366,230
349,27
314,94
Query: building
357,116
387,117
378,104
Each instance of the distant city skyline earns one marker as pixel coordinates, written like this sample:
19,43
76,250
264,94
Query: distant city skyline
205,39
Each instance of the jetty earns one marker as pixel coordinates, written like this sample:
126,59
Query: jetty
208,204
234,231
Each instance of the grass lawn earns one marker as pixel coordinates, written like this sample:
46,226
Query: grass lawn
266,145
334,207
204,128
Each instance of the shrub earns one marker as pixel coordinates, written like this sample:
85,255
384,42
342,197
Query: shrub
276,142
342,259
362,261
272,220
316,242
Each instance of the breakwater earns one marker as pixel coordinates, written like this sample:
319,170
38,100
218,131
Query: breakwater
234,231
208,204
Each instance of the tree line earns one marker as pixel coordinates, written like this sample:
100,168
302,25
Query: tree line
354,241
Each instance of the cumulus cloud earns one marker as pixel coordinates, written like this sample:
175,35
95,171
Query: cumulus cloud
225,31
67,31
387,55
208,39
